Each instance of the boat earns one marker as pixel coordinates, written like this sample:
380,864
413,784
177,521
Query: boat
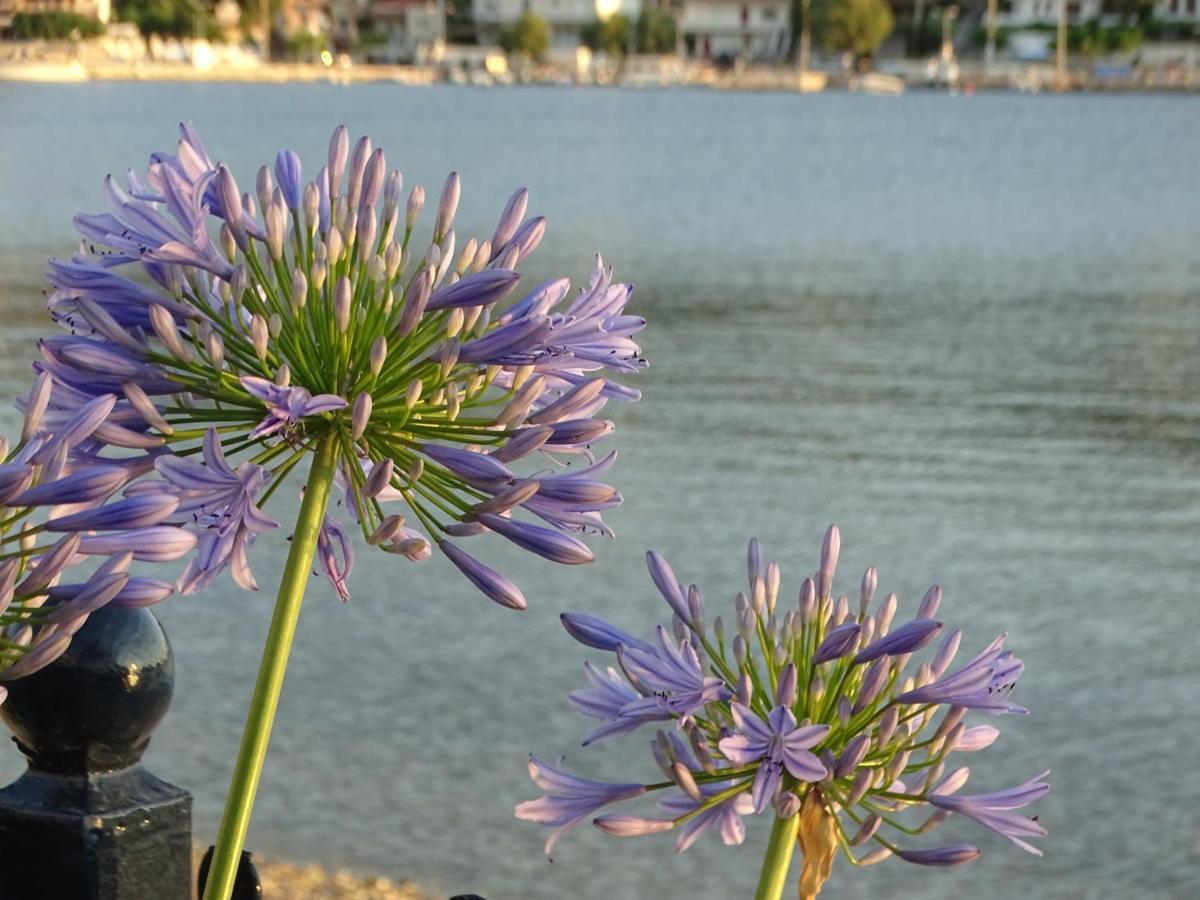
877,83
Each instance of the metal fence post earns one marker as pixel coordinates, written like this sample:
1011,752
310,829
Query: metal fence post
86,821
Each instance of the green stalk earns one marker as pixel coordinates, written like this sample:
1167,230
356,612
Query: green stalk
773,878
246,772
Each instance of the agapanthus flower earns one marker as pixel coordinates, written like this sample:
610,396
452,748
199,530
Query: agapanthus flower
300,319
810,712
65,534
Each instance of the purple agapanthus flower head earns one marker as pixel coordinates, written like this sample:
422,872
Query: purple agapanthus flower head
305,316
805,711
67,536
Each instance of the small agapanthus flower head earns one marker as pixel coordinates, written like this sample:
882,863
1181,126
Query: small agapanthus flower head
303,315
67,537
808,712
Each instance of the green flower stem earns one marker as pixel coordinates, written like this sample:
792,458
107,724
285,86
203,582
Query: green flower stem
257,733
778,861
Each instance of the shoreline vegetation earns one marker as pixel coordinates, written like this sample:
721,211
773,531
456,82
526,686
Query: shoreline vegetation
314,882
1027,78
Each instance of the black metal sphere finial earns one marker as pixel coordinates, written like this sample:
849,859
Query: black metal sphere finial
87,821
95,708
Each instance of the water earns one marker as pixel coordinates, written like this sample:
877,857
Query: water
964,329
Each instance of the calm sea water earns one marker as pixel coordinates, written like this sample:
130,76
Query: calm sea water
966,330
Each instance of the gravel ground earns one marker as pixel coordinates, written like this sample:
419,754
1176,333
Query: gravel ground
289,881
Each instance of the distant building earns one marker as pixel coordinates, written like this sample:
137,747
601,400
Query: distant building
100,10
1030,12
566,18
1177,11
304,17
400,28
750,29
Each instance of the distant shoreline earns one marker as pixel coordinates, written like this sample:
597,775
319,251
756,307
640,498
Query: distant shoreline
776,79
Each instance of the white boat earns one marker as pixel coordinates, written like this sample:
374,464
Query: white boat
878,84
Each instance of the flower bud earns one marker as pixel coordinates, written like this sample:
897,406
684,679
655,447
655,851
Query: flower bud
360,416
145,407
391,194
379,478
447,205
393,255
808,603
683,777
887,726
164,326
341,305
35,407
862,783
883,618
787,805
275,220
416,200
785,690
299,294
265,187
339,150
773,578
482,255
358,168
865,831
365,233
867,590
415,300
413,394
831,547
378,355
387,530
227,241
275,324
930,603
334,244
312,207
259,335
373,178
745,688
283,375
626,825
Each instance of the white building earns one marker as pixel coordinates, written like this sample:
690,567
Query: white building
566,18
1177,11
1029,12
753,29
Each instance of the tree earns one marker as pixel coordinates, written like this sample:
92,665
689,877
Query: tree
54,26
655,31
858,26
529,37
609,36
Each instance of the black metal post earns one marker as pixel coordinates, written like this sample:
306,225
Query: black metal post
86,821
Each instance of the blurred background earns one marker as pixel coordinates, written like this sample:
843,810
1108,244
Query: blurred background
963,325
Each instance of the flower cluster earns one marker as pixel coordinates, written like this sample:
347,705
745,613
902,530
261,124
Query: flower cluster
297,321
806,711
57,513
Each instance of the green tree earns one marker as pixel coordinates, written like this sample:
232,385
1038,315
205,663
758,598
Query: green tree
655,31
54,26
858,26
529,37
170,18
609,36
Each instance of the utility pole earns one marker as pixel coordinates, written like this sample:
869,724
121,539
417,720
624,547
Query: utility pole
264,11
989,52
1064,80
805,35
